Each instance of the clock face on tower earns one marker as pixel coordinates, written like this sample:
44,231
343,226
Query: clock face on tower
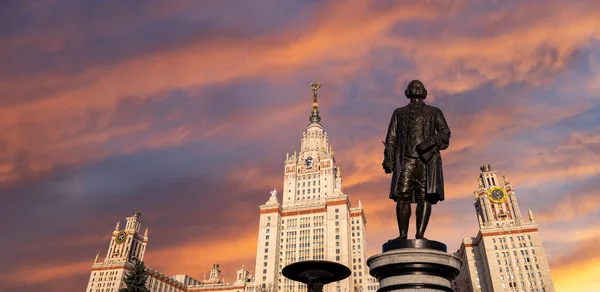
497,194
121,236
309,162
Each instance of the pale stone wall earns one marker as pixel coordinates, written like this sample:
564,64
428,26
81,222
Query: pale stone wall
507,254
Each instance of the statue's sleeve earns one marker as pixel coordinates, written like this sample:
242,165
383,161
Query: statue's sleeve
390,139
442,137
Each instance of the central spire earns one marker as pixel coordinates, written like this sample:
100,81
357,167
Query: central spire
314,116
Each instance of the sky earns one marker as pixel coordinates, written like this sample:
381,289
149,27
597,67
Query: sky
184,110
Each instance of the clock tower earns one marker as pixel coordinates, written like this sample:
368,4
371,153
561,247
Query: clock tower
128,243
507,253
311,176
314,219
495,200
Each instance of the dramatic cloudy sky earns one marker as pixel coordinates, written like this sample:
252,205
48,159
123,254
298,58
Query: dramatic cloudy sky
185,110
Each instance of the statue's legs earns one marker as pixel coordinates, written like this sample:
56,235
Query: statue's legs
404,191
403,217
423,213
423,206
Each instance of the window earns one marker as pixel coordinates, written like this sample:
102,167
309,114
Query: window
337,210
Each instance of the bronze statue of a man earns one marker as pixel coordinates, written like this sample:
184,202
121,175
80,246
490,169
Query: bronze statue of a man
415,136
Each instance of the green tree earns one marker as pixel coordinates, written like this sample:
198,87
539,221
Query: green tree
136,279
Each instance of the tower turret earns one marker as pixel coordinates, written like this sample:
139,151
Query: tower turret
134,222
495,201
128,243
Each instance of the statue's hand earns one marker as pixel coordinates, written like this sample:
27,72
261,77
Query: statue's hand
420,148
387,167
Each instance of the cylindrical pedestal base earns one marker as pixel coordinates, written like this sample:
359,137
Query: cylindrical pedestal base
414,269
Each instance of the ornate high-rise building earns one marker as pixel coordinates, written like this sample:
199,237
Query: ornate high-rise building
507,253
128,244
314,221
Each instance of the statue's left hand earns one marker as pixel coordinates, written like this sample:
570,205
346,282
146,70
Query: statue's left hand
420,148
386,166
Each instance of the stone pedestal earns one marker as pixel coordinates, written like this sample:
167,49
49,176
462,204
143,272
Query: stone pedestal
414,268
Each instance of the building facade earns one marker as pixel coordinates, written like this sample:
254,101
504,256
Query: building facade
507,254
128,244
314,220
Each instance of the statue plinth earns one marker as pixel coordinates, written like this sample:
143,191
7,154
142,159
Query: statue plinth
413,243
414,264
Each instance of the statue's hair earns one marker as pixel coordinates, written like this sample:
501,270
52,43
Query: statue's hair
407,93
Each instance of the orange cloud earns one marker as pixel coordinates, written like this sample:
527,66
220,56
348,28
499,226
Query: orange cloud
41,273
528,44
579,276
332,38
192,258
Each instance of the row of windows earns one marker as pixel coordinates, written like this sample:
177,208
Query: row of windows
508,261
524,252
307,191
309,176
526,267
503,239
529,275
314,183
99,285
531,284
521,245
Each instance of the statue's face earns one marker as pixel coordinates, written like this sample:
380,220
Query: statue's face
416,89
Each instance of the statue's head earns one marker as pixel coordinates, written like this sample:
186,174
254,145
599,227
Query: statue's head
416,89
